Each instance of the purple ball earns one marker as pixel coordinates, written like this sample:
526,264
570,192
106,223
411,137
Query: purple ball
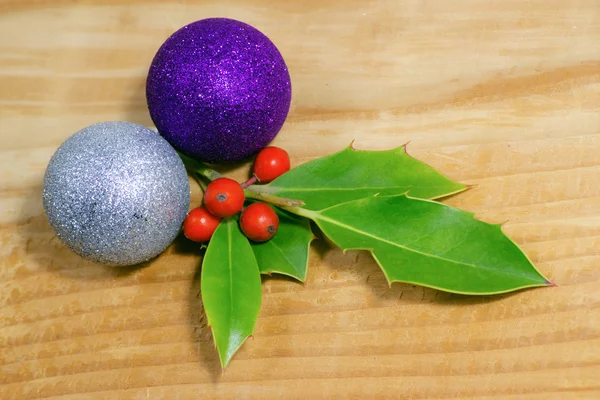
218,90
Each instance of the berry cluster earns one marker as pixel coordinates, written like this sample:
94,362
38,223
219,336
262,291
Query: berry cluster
224,198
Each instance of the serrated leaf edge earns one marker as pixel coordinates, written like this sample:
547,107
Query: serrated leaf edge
314,216
402,150
274,271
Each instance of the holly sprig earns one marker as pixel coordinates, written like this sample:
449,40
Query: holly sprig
384,202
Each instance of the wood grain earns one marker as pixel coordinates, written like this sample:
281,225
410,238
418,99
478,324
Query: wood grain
502,94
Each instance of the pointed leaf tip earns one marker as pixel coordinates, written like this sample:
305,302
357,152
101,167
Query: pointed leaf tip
351,174
405,147
287,252
430,244
230,288
499,226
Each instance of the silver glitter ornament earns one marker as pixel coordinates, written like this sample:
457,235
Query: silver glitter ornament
116,193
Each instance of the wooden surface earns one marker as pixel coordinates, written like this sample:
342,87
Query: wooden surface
504,94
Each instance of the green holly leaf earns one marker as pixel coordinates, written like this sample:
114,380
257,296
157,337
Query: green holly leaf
230,288
354,174
430,244
287,252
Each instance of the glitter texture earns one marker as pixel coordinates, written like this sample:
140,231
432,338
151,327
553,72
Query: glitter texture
116,193
218,90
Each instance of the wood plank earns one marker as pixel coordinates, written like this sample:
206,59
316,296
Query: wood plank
504,94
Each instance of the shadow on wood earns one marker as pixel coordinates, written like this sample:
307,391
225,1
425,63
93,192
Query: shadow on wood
200,332
363,267
48,253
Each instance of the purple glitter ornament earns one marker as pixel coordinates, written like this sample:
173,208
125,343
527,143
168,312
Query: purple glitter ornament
218,90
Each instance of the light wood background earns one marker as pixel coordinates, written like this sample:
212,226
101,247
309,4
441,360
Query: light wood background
504,94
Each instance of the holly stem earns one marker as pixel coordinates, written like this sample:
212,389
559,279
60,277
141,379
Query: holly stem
199,168
302,212
249,182
208,173
202,172
272,199
201,181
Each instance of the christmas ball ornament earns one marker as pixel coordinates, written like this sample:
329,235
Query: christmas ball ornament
116,193
218,90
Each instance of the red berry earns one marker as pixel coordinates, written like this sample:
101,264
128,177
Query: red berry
200,224
224,197
259,222
271,162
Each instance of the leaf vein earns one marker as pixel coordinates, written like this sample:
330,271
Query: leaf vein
284,256
230,256
334,189
335,222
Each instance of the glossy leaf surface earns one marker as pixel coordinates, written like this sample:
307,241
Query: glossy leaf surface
287,252
430,244
230,288
353,174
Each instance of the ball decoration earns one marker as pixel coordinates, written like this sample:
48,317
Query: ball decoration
218,90
116,193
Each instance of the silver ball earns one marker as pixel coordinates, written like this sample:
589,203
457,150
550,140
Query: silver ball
116,193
